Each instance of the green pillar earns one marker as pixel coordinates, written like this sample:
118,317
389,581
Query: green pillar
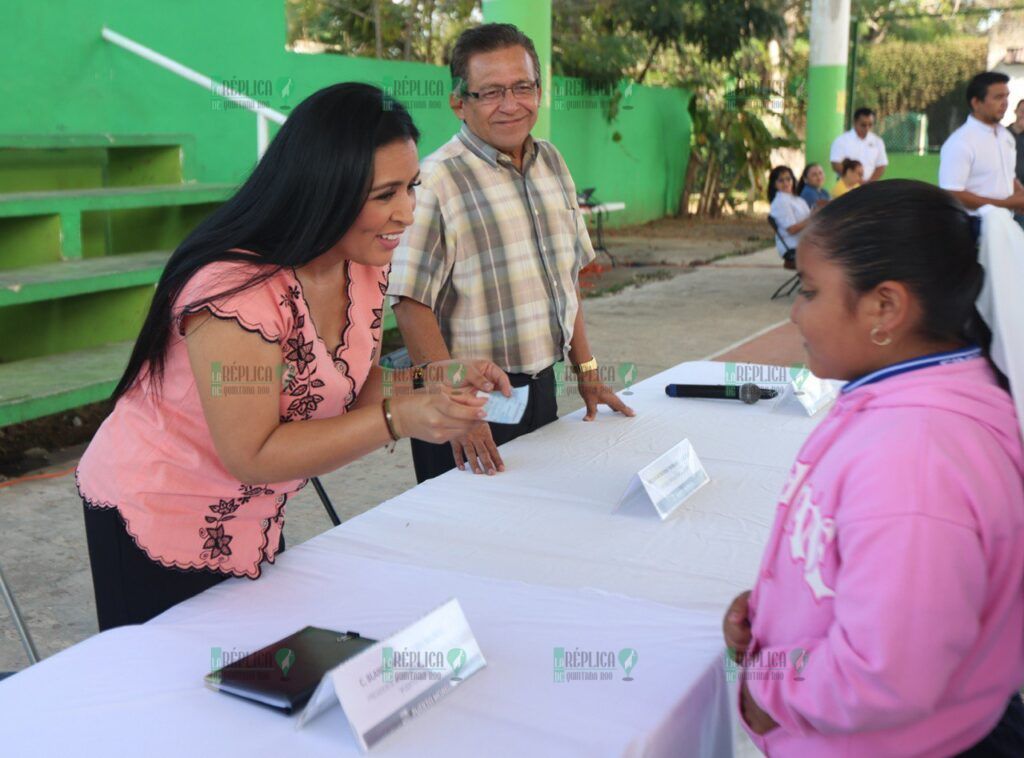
826,76
533,17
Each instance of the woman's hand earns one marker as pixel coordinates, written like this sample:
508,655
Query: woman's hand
479,374
439,416
756,717
736,626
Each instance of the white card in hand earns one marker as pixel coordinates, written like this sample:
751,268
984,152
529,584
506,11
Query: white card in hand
506,410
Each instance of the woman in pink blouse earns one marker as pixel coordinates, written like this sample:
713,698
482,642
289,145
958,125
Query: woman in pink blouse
256,366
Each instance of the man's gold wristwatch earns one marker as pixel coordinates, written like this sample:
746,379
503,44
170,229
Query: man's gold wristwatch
584,368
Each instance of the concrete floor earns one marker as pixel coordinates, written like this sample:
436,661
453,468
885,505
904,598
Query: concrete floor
699,312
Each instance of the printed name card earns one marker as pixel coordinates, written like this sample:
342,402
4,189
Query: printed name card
668,481
387,685
506,410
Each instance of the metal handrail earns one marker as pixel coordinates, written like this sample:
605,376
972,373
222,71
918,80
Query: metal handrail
263,113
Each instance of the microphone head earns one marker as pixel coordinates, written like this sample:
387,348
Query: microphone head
750,393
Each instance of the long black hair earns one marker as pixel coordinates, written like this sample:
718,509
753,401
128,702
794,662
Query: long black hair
774,175
300,199
802,184
911,232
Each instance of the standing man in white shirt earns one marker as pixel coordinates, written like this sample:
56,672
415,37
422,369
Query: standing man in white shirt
978,161
861,144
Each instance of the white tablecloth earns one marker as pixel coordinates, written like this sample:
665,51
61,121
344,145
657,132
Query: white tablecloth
537,556
550,518
138,690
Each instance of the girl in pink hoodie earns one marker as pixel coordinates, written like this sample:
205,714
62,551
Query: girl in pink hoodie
888,614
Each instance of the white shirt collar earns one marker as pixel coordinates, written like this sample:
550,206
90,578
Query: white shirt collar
979,124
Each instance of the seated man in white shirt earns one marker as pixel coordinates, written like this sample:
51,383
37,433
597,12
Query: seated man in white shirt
978,161
860,144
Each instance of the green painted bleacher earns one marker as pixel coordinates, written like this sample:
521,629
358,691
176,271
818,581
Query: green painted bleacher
51,281
109,199
50,384
87,223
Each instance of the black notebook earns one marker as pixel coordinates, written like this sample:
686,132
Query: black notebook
283,675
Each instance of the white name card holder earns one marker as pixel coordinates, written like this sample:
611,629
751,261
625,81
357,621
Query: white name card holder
666,482
391,683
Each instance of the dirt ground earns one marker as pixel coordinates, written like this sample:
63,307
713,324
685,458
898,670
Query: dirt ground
734,228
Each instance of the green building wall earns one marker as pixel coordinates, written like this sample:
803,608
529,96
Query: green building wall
924,168
62,78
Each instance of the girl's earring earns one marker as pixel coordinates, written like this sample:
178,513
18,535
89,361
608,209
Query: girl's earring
876,339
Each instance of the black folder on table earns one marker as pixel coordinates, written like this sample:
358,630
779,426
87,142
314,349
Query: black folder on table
285,674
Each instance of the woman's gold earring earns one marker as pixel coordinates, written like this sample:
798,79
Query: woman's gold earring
887,340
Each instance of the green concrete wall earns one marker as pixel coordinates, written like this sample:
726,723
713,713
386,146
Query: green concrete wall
640,158
62,78
924,168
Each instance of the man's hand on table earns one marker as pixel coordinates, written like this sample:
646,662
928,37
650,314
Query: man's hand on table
595,392
478,450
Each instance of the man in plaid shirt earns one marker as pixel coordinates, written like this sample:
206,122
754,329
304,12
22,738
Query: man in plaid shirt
490,266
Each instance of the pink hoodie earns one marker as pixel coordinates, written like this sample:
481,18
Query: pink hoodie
888,614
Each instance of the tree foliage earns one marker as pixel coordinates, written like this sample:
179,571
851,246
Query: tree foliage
924,77
699,44
606,40
916,20
412,30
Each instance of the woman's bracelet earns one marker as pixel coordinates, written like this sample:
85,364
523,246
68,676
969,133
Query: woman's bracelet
388,419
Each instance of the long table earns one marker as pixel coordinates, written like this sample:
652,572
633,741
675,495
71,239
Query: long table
539,558
140,689
551,517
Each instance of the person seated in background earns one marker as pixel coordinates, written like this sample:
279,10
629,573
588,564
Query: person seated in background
851,176
788,210
811,186
890,598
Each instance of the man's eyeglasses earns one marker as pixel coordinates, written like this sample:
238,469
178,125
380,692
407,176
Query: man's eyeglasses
519,90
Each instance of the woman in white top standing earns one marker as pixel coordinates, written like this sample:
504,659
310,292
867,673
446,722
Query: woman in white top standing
789,210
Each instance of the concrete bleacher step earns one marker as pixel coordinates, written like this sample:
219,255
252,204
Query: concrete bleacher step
36,387
40,386
47,226
111,198
51,281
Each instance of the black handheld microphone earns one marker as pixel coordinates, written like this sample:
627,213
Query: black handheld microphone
749,393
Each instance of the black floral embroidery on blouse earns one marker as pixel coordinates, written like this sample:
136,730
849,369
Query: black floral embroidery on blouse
301,376
217,544
378,313
301,353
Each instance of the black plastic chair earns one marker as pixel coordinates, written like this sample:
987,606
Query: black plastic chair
788,287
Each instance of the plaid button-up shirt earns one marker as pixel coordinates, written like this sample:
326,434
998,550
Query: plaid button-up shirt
496,252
